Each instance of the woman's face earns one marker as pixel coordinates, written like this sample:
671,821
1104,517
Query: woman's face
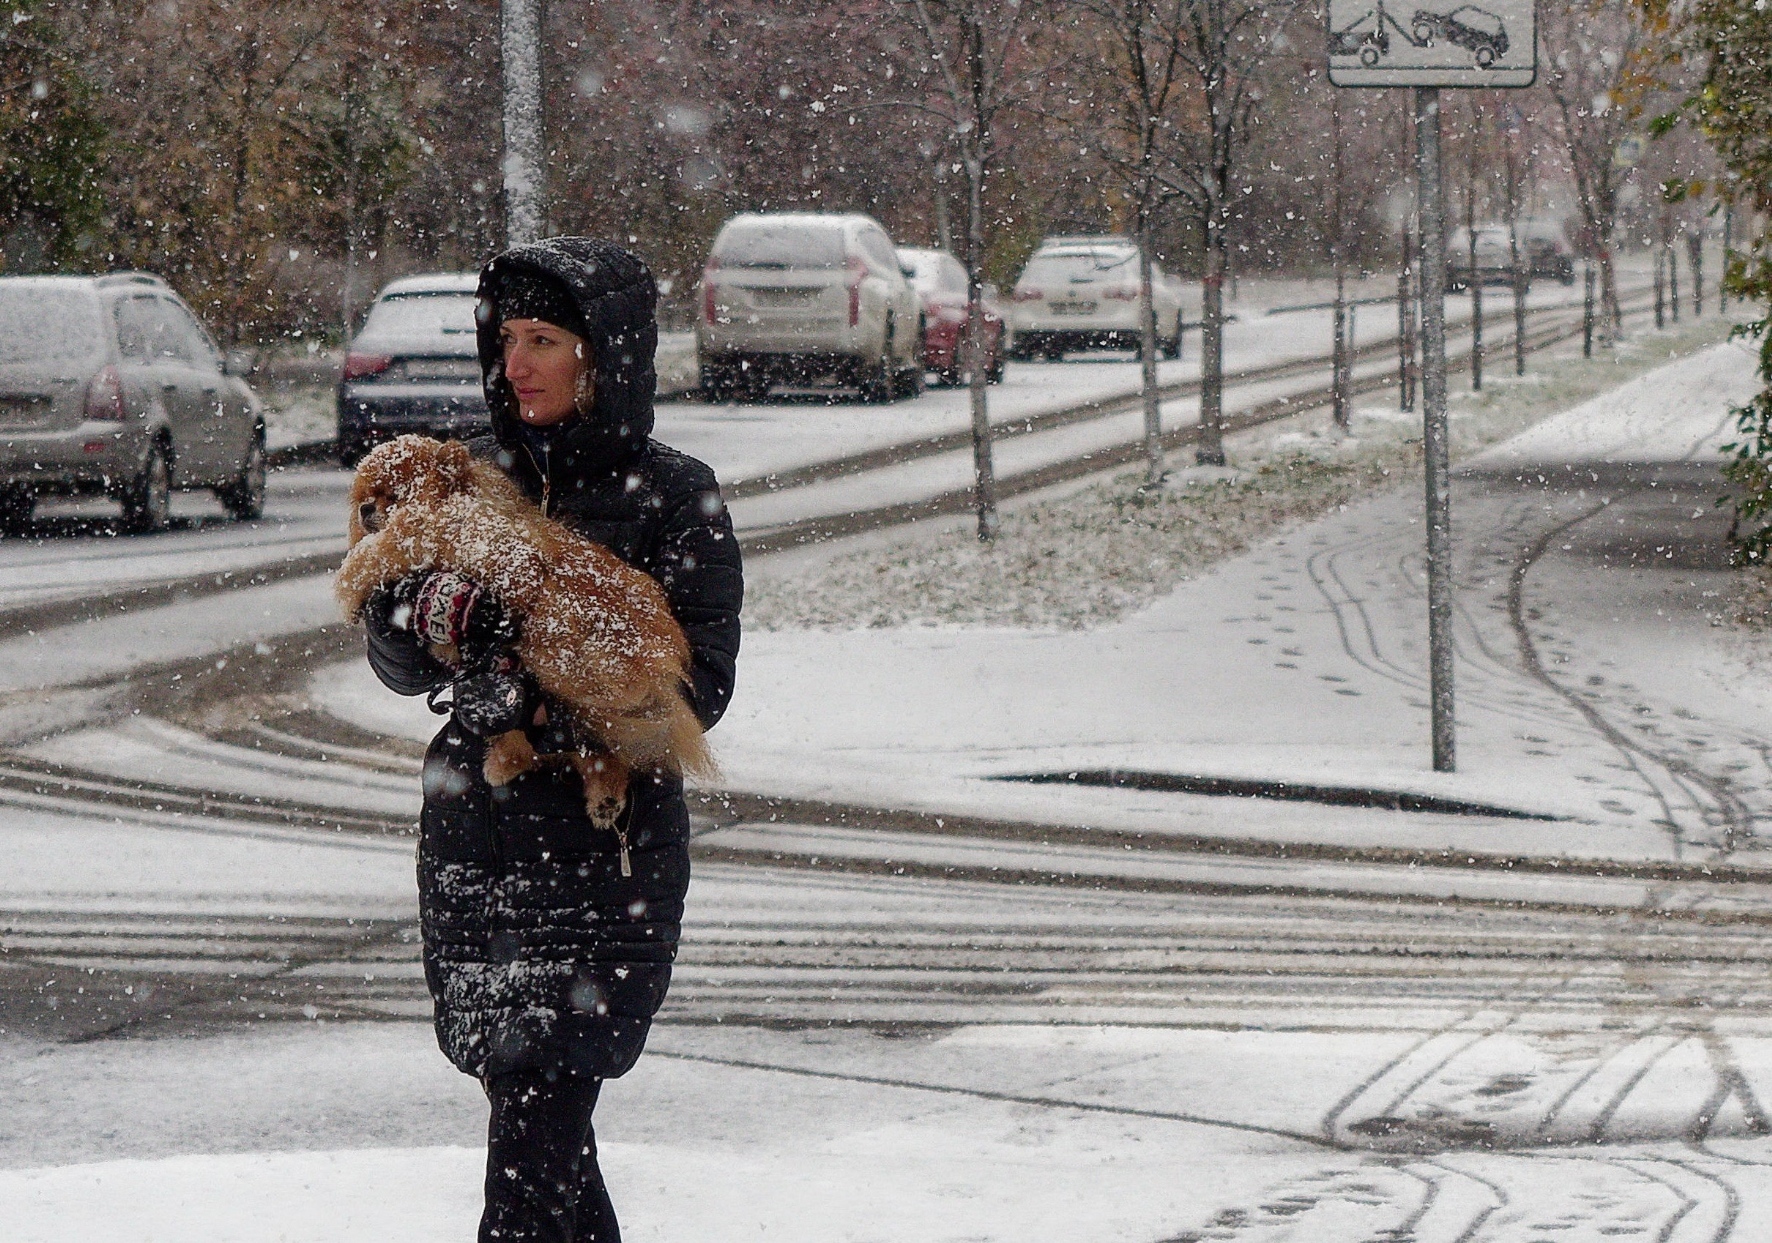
543,363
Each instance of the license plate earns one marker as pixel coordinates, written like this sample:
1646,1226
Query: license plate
1073,308
783,297
18,411
445,370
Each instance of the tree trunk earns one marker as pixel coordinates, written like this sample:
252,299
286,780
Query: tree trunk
1211,446
1611,318
1520,280
1147,323
1673,276
1695,259
984,479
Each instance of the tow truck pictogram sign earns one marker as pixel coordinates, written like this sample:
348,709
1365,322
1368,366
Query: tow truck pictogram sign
1432,43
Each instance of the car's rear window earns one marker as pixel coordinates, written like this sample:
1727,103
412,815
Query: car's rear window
784,244
1088,266
438,316
48,325
936,273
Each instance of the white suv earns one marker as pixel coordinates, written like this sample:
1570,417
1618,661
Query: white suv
1081,293
804,299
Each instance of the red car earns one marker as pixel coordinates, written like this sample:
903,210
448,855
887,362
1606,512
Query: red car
940,281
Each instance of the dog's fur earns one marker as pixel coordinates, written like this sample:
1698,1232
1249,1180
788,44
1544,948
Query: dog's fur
597,634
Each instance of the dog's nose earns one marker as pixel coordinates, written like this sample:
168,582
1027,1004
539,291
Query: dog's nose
369,516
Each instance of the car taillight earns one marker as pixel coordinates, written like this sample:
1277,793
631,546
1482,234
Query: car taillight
104,396
857,273
1124,293
359,365
708,310
1027,295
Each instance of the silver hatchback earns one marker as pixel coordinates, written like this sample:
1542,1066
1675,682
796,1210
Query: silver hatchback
110,386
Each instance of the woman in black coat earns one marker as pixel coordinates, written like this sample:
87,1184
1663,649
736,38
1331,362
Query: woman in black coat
547,942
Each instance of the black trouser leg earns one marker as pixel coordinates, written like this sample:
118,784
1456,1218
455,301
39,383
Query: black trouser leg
542,1180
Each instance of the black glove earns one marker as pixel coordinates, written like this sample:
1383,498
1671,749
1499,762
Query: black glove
494,701
554,736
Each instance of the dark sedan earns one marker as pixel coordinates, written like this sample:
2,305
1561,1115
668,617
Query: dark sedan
413,368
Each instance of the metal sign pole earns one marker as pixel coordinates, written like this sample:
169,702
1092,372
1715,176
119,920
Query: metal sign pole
1433,422
1465,48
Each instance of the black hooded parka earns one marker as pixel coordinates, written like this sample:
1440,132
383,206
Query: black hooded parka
538,952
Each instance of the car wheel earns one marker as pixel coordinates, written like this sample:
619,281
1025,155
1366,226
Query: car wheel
909,382
1368,56
1424,34
147,505
244,499
16,506
1485,56
716,382
878,382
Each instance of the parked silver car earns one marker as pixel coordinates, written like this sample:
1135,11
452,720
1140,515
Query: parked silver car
110,386
803,298
415,367
1081,293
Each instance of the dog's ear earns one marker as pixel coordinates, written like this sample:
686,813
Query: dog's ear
455,465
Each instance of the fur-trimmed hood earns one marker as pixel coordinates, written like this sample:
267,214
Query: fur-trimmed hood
615,293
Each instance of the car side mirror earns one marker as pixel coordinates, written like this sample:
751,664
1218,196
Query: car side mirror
239,364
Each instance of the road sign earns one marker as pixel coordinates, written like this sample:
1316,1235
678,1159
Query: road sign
1432,43
1629,150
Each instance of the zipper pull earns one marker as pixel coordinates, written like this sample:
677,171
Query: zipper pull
621,838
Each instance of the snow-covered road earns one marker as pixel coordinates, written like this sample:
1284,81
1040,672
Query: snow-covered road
919,1001
78,552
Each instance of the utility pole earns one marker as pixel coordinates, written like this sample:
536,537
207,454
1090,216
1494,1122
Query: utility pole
525,171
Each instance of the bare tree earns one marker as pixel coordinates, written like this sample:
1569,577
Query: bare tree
1516,175
1222,46
1145,44
975,67
1593,66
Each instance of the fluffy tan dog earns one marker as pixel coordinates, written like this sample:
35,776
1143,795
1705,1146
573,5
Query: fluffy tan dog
596,633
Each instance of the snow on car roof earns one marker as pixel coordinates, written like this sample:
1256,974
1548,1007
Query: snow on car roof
435,282
798,217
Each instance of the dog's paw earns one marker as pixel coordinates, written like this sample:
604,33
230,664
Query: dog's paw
604,811
508,757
